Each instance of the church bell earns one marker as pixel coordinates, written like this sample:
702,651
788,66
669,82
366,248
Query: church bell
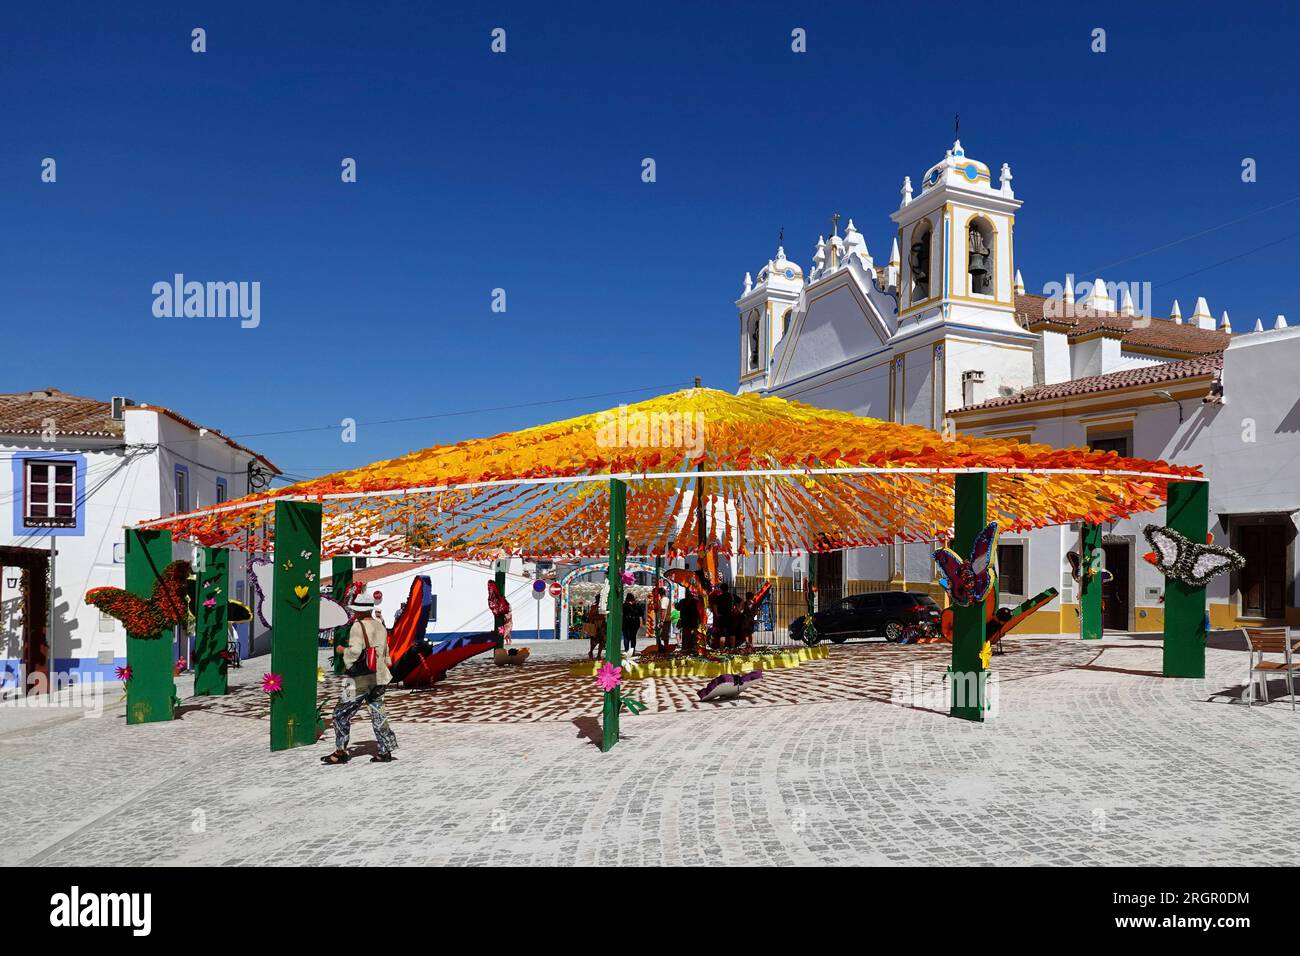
978,264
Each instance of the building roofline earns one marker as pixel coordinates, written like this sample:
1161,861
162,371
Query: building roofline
1140,377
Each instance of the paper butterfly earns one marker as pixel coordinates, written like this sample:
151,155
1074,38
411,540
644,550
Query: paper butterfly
332,613
1187,561
968,582
166,606
1076,568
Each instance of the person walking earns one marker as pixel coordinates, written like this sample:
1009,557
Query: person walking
631,623
593,626
365,665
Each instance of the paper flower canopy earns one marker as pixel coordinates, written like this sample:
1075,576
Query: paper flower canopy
769,474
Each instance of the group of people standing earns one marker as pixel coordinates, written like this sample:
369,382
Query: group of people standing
726,621
654,619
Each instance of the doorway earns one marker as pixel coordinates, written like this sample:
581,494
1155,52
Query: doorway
830,579
1115,593
28,571
1264,578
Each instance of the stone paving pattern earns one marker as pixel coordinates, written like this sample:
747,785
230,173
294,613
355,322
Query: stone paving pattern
1092,758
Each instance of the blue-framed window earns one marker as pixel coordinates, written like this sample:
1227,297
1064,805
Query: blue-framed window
222,493
181,489
49,493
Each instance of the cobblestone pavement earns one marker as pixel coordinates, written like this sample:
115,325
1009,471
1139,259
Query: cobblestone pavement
1092,758
478,691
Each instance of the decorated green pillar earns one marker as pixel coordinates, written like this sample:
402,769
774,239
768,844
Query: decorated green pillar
1090,582
970,516
614,608
296,623
151,691
211,622
1187,511
499,568
341,572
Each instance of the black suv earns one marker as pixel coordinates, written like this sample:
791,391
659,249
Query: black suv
877,614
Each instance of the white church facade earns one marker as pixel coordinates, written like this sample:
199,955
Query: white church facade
944,335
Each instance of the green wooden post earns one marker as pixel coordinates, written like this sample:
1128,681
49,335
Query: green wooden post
1090,582
341,571
970,515
296,624
614,608
211,623
151,691
1187,511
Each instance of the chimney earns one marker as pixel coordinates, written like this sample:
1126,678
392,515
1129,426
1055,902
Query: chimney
970,390
119,406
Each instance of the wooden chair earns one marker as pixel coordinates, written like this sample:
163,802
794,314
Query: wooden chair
1269,640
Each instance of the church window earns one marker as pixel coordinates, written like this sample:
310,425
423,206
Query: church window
919,263
979,256
752,342
785,321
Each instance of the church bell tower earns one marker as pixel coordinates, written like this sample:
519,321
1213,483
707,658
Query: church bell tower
765,309
957,261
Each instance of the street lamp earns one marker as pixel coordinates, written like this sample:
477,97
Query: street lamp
1166,394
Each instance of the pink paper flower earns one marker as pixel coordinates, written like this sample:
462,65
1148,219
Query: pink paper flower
609,676
272,683
210,602
122,673
628,577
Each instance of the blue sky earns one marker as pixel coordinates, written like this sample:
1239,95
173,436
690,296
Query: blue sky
522,171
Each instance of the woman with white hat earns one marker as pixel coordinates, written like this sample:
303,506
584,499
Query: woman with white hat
365,665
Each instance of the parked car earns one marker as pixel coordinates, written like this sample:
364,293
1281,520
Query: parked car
876,614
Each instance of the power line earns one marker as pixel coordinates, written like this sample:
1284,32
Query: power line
468,411
1196,235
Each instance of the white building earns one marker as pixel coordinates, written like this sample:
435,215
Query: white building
80,471
946,336
459,596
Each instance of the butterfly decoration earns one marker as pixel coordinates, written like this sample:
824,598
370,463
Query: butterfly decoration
1187,561
1078,572
728,686
166,607
332,613
967,582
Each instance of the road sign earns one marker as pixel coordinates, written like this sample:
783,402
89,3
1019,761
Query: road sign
539,590
557,589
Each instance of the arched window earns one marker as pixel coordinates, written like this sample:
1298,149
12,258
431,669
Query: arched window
918,263
785,322
751,341
979,256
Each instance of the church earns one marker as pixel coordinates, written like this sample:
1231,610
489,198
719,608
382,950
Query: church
943,334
